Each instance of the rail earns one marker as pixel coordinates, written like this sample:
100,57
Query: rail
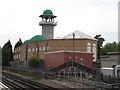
18,83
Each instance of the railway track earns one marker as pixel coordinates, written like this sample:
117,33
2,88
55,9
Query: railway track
19,83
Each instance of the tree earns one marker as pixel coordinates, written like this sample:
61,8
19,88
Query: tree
119,47
19,43
110,47
33,62
0,56
7,54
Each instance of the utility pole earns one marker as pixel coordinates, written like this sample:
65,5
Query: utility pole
26,51
37,50
73,53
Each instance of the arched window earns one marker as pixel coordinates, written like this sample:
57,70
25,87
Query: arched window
94,50
89,47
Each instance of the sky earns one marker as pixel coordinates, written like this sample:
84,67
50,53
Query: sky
20,18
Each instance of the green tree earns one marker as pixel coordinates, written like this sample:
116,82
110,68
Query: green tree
33,62
110,47
7,54
19,43
119,47
0,56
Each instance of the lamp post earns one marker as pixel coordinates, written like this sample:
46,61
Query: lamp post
73,61
46,47
73,48
73,54
26,51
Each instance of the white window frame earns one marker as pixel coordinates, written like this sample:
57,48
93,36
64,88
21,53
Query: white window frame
40,49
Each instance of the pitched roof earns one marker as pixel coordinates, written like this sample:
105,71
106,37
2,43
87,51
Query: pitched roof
78,35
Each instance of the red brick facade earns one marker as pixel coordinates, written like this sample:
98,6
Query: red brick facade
54,59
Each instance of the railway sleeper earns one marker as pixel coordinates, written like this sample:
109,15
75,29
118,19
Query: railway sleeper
12,85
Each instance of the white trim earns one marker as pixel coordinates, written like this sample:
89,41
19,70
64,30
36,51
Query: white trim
67,51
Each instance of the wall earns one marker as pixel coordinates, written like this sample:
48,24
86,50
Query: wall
110,59
54,59
39,49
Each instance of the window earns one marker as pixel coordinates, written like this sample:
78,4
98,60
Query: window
72,68
14,56
19,56
40,48
69,58
15,50
44,49
81,61
33,49
89,47
36,49
29,50
48,47
94,51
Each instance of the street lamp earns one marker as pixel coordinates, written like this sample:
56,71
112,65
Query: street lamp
26,53
73,49
73,54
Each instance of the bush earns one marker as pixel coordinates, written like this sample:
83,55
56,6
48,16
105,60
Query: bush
33,62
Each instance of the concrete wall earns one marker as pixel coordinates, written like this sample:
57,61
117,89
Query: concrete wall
110,59
48,31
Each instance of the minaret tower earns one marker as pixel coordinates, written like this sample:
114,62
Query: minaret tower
48,24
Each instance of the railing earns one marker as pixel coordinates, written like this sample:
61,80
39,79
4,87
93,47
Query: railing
47,22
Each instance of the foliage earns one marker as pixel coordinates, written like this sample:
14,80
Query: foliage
19,43
7,54
33,62
110,47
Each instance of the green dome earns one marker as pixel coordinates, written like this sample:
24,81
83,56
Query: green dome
38,38
47,12
27,41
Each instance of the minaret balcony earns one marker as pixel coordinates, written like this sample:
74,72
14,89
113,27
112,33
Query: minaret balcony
47,23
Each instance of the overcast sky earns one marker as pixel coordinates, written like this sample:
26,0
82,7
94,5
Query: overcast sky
20,18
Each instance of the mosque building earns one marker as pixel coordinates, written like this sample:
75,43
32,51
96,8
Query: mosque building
53,51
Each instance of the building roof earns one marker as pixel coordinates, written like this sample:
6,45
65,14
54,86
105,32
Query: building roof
26,41
113,53
117,66
47,12
35,39
38,38
78,35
